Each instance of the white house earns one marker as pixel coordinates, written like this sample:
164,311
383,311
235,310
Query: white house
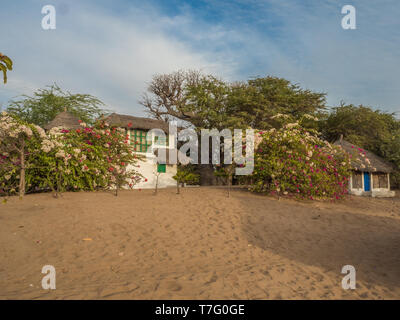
137,128
370,175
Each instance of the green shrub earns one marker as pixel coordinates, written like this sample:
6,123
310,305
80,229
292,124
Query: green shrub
187,174
88,158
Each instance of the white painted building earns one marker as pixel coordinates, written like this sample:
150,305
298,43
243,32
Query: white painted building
137,128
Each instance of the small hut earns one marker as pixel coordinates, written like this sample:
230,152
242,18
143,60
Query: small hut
371,173
65,120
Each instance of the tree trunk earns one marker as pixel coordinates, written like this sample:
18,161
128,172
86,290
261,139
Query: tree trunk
207,177
22,172
155,191
229,185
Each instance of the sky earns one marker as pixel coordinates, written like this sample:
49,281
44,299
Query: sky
111,49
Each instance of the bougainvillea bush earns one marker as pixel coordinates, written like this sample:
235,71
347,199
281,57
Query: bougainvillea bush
19,142
295,162
88,158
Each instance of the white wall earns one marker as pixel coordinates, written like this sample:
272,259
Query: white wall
375,192
148,168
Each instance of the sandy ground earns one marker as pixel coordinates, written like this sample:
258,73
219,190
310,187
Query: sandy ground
198,245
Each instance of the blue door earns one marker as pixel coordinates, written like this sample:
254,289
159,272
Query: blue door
367,181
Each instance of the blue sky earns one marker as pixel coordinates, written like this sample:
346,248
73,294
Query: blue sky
111,49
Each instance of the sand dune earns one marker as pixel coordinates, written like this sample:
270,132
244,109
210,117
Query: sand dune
198,245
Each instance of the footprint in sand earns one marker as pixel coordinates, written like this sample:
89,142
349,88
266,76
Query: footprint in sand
173,286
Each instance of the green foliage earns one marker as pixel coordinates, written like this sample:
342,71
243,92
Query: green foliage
207,99
186,174
295,162
374,130
5,64
46,103
208,102
89,158
19,142
258,100
225,172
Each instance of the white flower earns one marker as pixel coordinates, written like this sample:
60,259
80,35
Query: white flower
41,132
308,116
60,154
291,125
47,145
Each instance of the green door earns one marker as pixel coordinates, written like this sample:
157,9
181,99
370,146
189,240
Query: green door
162,168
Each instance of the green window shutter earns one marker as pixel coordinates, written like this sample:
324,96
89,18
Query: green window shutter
138,140
162,168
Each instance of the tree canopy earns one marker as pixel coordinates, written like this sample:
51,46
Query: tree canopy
374,130
208,102
46,103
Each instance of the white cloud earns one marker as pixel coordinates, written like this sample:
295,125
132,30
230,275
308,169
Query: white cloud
112,54
97,53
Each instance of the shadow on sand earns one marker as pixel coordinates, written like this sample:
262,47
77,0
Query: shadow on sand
326,237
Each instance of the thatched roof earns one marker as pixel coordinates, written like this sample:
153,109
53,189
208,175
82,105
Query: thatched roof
65,120
377,164
125,121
